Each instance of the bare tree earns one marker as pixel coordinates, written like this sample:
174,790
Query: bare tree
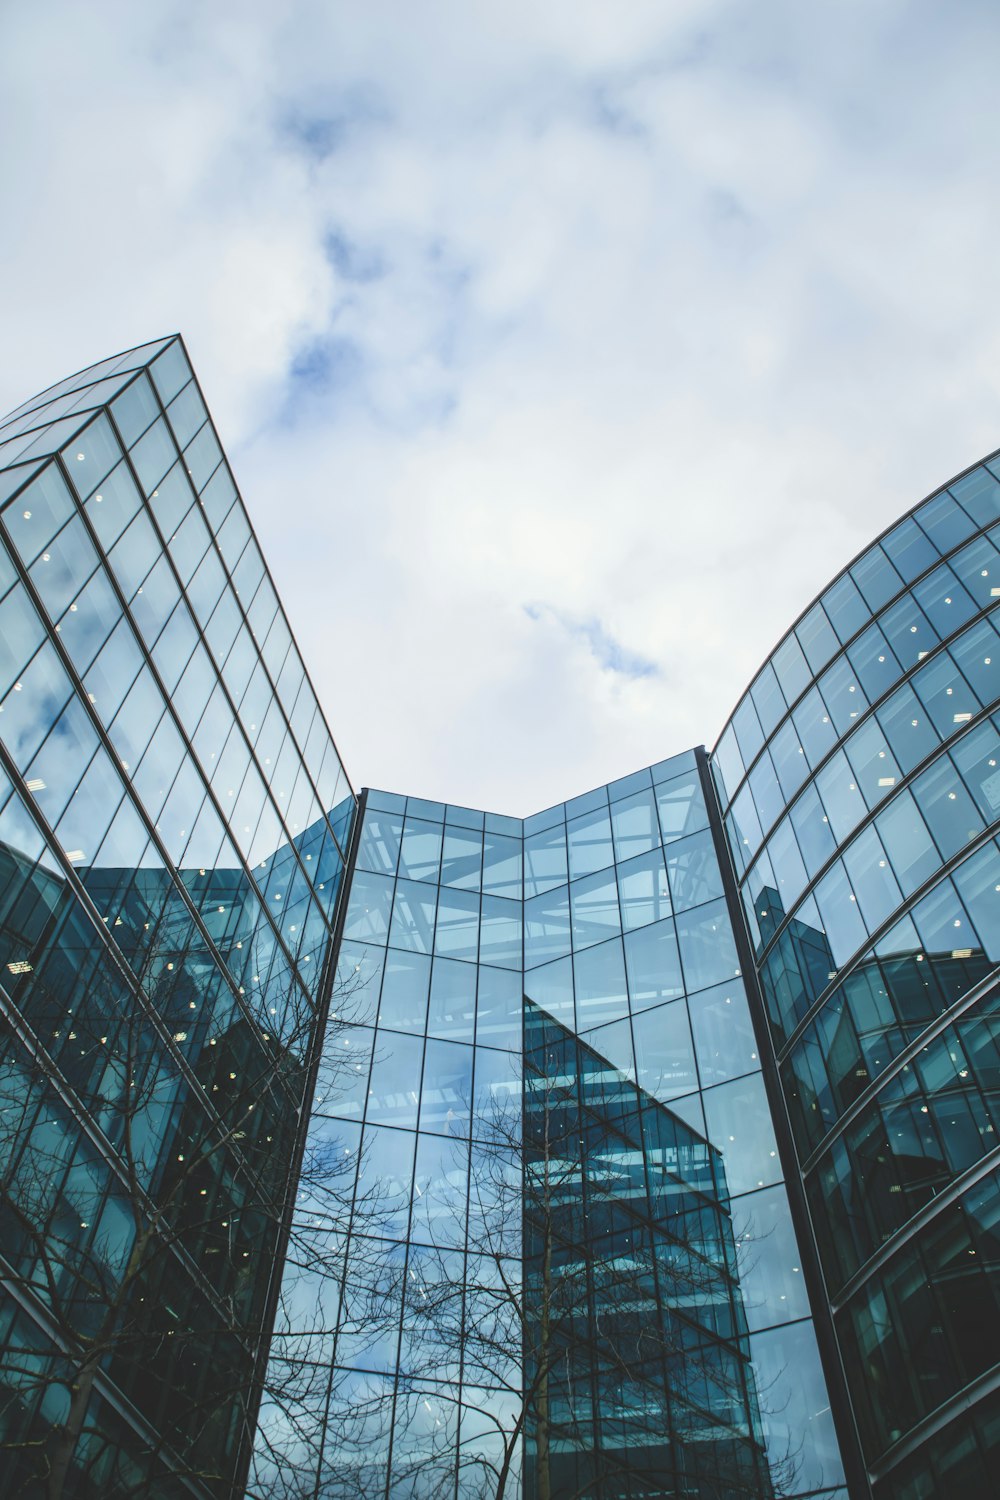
568,1319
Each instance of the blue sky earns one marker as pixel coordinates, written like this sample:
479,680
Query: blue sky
563,352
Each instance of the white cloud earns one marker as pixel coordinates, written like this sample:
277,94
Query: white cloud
652,316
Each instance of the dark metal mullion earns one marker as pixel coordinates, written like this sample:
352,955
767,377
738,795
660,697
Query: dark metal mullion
871,815
914,1226
820,1314
267,575
872,712
14,1286
33,1043
324,996
146,654
873,619
931,1032
846,970
104,740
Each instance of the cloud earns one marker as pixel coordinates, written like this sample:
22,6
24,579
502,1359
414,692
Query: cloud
654,314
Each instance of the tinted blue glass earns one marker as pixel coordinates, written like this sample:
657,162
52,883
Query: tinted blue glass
874,663
979,494
654,972
635,826
412,917
812,830
789,760
589,840
814,727
746,726
845,608
643,893
843,697
594,905
791,668
546,927
458,923
909,550
817,638
664,1054
945,522
876,578
599,980
545,860
420,849
768,699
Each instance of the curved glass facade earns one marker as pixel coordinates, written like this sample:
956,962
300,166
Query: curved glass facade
644,1146
860,785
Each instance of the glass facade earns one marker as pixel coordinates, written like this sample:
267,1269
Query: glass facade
173,819
642,1147
860,782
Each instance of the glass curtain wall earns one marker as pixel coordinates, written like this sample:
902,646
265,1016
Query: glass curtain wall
606,915
860,778
169,868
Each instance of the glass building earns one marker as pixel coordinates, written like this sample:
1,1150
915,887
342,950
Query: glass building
173,819
645,1146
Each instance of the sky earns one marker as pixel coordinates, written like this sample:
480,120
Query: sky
563,350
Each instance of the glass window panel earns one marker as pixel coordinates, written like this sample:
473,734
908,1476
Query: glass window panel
500,932
908,728
590,845
378,848
907,843
499,1005
739,1125
33,702
789,760
594,905
446,1096
654,970
745,836
453,999
814,727
405,987
845,608
186,413
728,763
664,1054
420,850
871,878
766,793
842,695
708,951
91,455
977,566
909,632
153,455
170,371
977,881
635,826
817,638
944,522
791,668
64,755
749,735
218,497
681,806
462,861
875,663
394,1085
599,980
872,762
948,809
979,494
458,923
841,796
812,830
465,817
771,1277
112,673
909,550
945,694
551,988
223,627
977,654
412,917
502,866
977,756
787,864
40,513
20,634
368,910
546,927
135,409
876,578
188,544
838,907
944,601
724,1039
203,456
693,871
768,699
643,893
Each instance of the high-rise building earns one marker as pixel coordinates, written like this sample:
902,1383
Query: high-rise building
651,1143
